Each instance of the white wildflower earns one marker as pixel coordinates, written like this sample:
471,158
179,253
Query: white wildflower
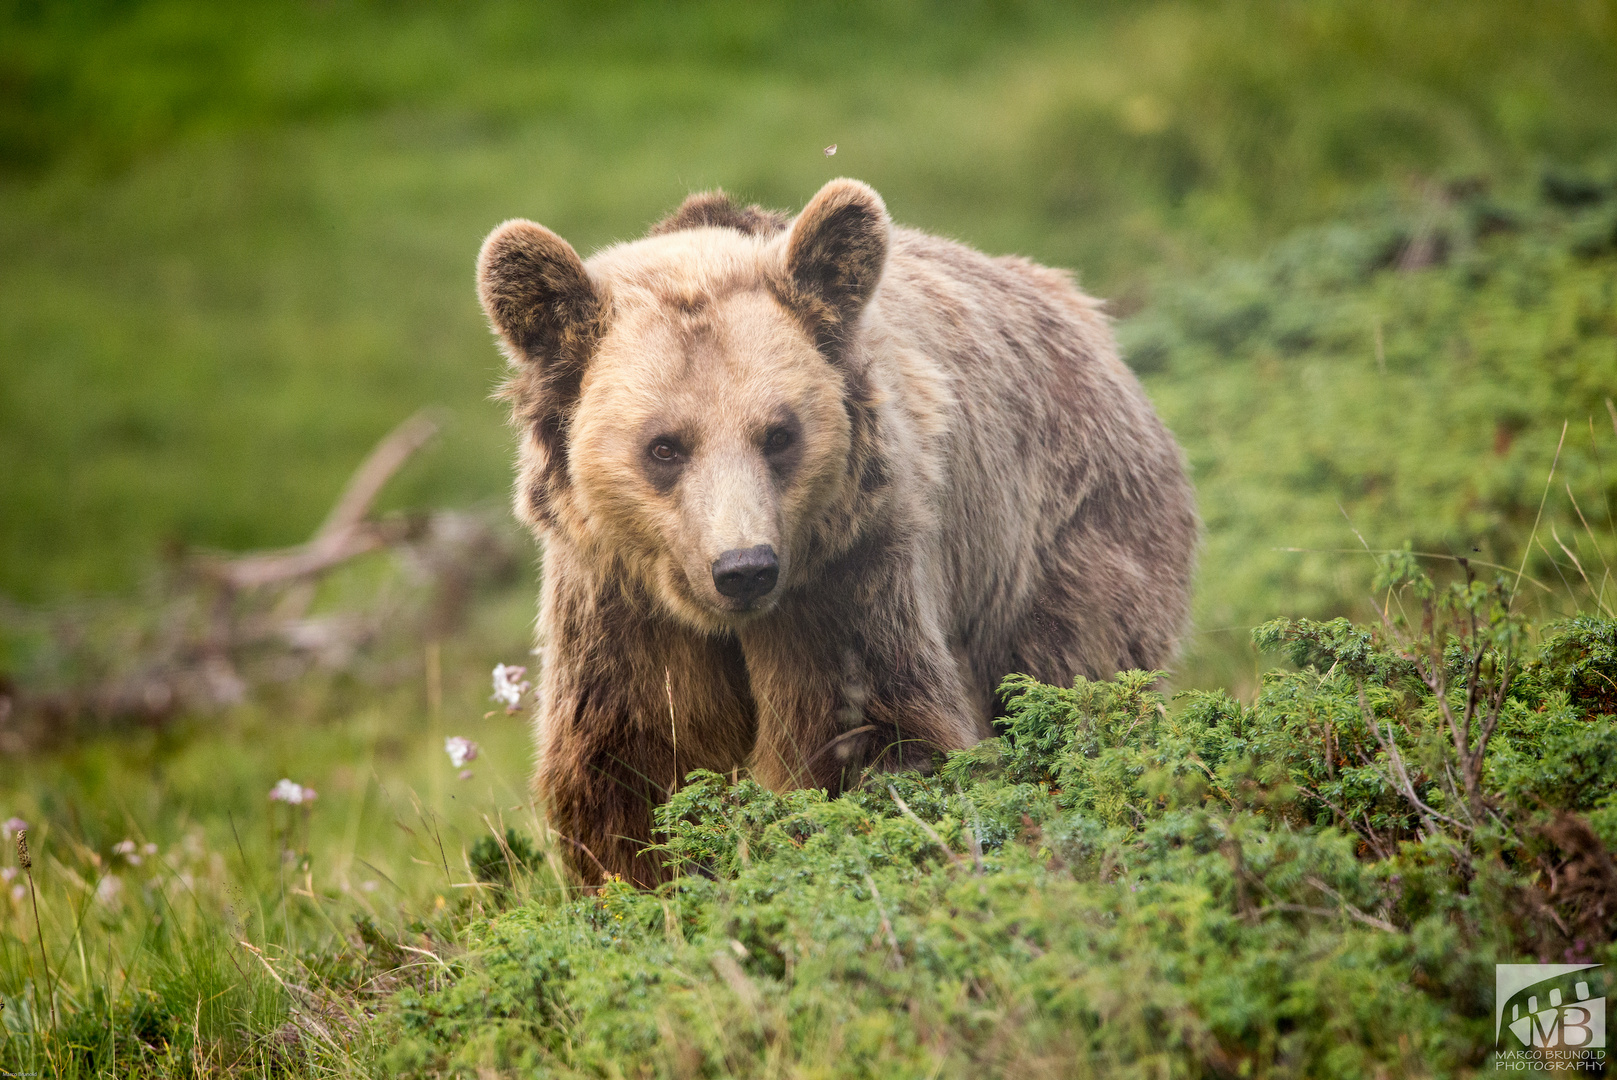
830,151
509,685
110,891
150,849
12,826
292,794
129,850
18,892
460,750
6,874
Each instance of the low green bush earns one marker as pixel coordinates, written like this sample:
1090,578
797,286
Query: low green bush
1316,884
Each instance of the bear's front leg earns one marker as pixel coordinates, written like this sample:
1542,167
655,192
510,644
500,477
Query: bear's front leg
853,678
630,702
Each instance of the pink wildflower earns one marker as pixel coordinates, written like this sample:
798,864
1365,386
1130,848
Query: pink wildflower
509,685
292,794
460,750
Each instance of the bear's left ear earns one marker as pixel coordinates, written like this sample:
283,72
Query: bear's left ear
835,256
537,294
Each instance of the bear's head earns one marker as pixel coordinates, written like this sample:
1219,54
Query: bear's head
694,408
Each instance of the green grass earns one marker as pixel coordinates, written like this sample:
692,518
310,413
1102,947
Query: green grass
146,953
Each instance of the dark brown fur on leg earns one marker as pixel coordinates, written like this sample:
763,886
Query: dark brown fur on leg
611,746
842,684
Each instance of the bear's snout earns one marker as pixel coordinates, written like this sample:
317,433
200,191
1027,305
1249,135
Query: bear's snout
745,574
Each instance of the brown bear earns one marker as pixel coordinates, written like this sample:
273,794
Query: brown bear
807,489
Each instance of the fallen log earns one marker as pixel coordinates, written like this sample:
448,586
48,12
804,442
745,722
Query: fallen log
220,624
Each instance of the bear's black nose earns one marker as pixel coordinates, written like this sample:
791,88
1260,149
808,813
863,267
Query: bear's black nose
745,574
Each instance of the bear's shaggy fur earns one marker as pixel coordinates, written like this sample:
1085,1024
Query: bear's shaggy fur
929,465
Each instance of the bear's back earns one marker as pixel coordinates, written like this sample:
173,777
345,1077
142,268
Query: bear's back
1052,446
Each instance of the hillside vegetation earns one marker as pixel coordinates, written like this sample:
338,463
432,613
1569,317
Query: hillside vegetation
1311,878
1296,887
1314,884
1439,373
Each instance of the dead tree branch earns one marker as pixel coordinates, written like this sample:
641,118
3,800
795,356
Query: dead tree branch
345,533
205,635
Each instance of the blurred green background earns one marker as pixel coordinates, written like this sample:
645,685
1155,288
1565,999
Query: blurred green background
238,238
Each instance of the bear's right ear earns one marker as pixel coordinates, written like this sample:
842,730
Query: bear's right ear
835,257
537,294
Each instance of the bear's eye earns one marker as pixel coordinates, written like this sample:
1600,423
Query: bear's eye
777,440
664,450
